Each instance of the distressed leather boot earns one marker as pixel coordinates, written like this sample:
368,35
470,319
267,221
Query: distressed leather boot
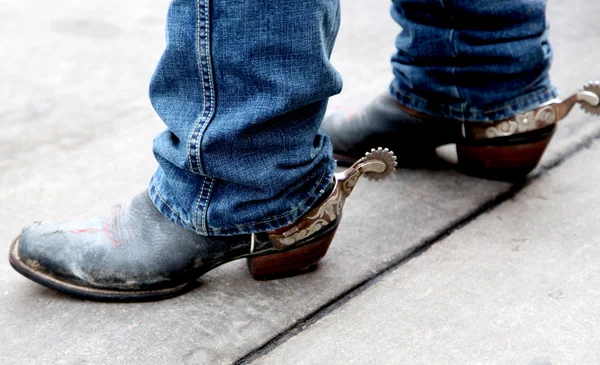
135,253
385,122
506,149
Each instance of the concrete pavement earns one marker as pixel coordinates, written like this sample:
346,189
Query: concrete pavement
518,285
75,135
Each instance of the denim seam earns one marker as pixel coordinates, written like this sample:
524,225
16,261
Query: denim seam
193,132
205,212
279,217
211,83
211,113
202,227
208,111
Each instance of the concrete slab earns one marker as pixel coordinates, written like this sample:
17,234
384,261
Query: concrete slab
519,285
75,136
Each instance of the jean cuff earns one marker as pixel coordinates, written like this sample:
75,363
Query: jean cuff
314,192
466,113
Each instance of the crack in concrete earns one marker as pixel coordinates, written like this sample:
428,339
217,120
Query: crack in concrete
414,252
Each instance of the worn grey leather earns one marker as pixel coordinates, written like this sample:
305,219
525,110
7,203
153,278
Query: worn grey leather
132,253
382,123
132,248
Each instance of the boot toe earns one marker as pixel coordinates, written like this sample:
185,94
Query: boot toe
44,250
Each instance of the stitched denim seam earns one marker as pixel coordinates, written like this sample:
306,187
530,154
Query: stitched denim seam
193,132
211,84
205,212
204,59
208,95
211,112
279,217
202,228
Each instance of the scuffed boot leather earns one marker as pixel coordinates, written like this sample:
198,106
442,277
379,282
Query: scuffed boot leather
133,253
385,122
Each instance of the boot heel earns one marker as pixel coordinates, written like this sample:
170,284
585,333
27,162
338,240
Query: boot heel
504,158
311,235
289,263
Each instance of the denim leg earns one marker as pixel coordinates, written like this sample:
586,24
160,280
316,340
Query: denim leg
472,60
242,87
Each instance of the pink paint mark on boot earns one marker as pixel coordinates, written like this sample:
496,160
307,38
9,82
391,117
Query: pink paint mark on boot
86,230
106,229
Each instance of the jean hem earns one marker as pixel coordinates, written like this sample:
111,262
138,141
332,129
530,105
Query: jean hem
164,207
465,113
273,223
264,225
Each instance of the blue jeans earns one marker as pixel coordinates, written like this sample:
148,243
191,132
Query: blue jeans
472,60
243,86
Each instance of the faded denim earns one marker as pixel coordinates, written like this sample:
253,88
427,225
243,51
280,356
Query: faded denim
472,60
242,87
